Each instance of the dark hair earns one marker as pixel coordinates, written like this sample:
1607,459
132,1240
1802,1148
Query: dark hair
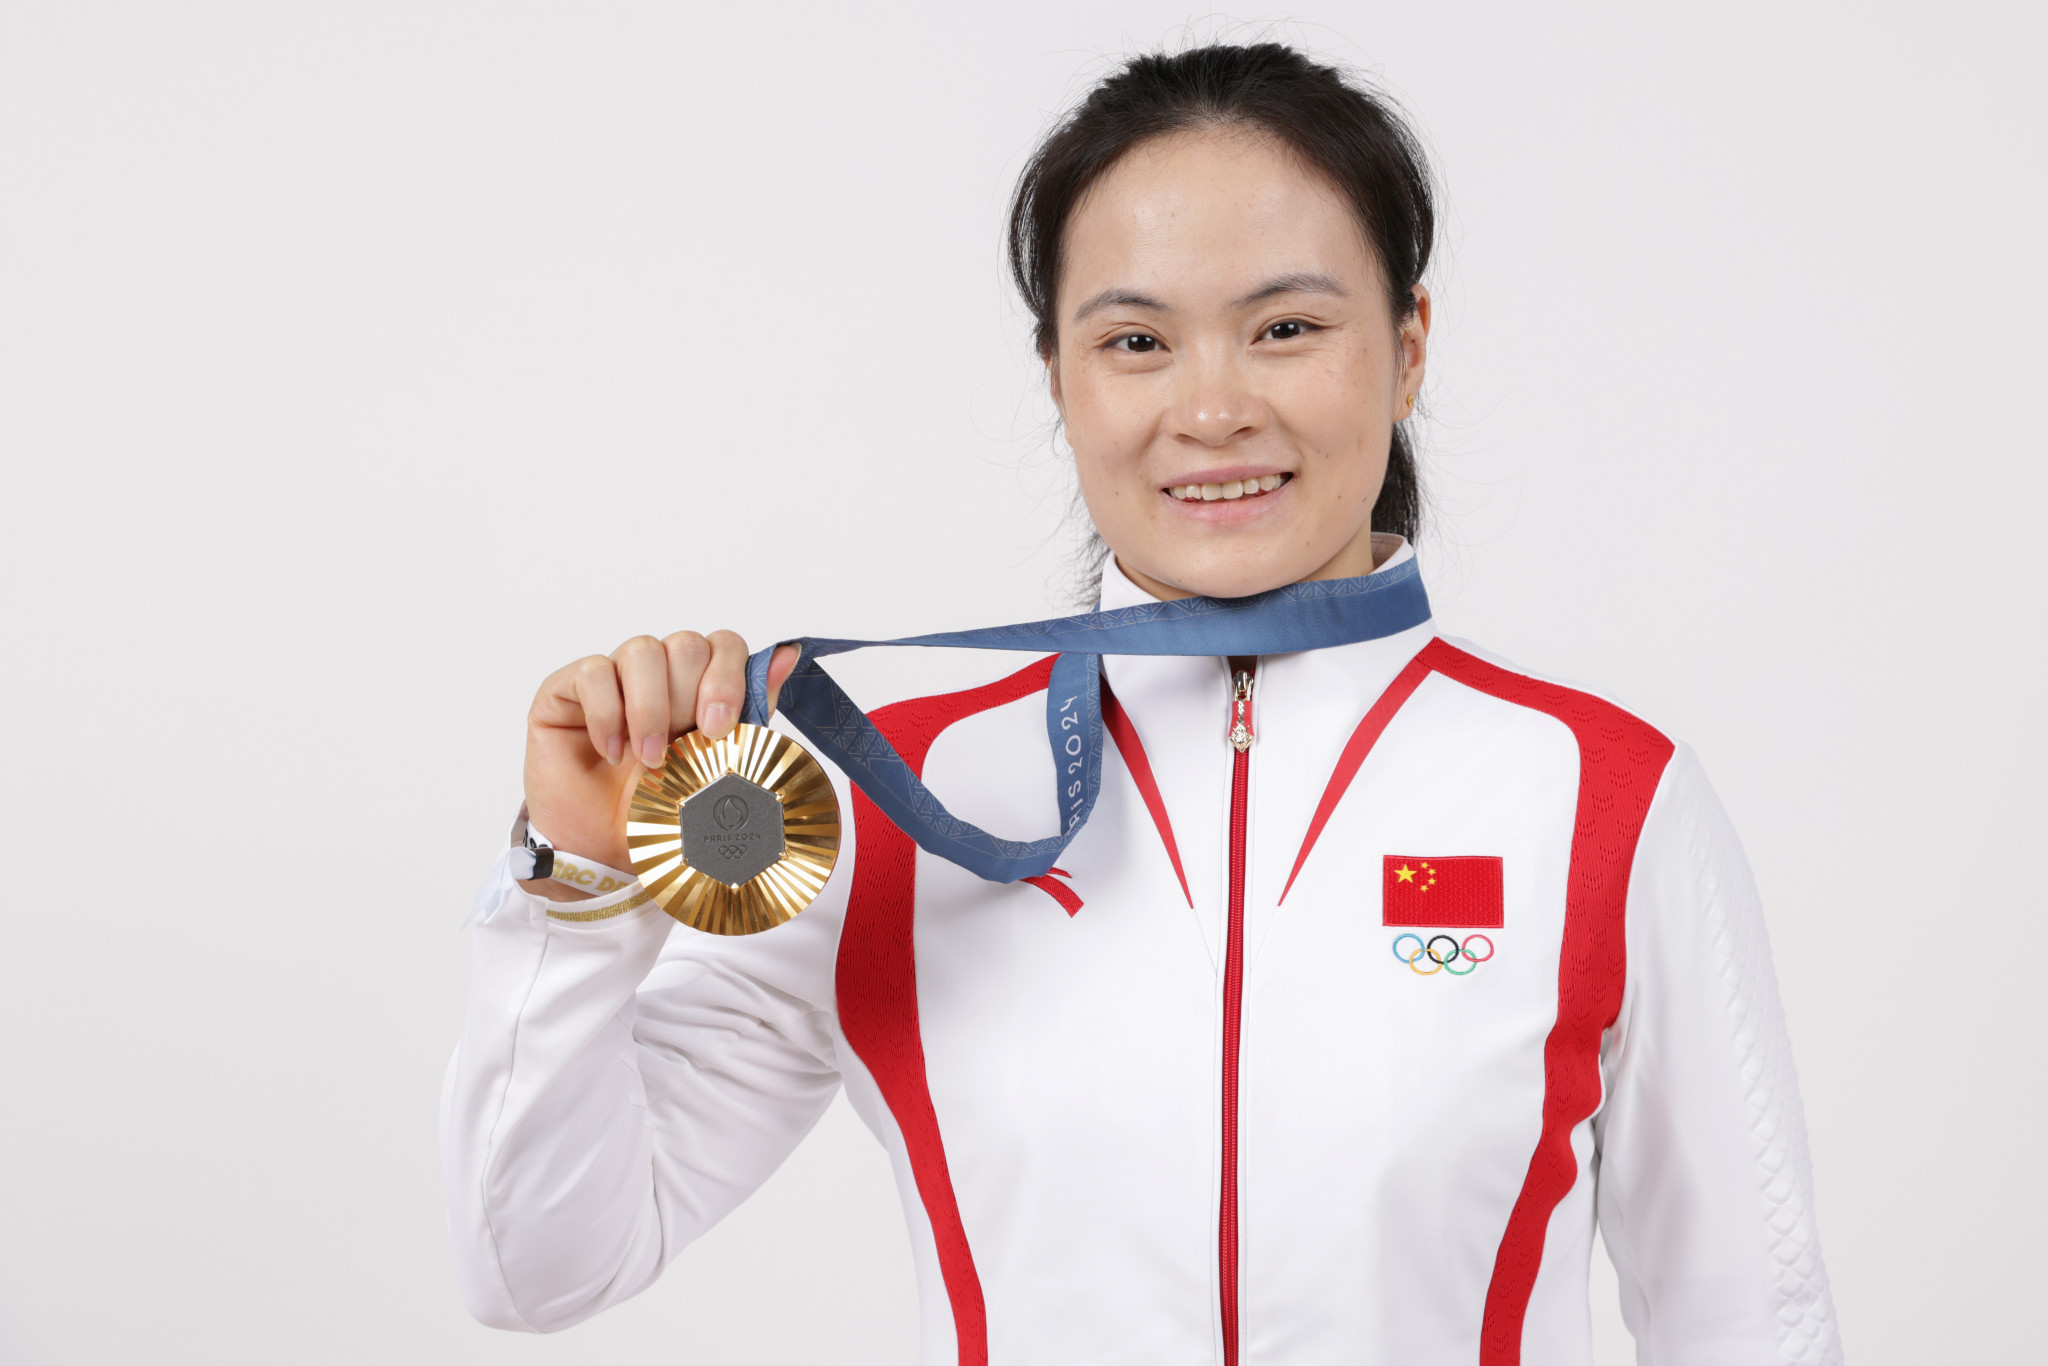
1346,133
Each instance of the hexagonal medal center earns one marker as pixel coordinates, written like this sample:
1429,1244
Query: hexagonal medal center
732,829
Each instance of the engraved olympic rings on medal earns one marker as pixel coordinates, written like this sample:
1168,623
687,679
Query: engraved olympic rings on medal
1444,953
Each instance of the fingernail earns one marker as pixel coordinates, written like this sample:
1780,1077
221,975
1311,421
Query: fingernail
714,719
650,751
614,748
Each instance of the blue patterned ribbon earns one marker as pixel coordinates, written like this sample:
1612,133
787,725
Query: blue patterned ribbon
1301,616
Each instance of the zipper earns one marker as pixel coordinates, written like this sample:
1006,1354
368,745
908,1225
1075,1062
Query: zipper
1240,737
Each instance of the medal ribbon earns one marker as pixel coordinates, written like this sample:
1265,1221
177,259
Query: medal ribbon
1301,616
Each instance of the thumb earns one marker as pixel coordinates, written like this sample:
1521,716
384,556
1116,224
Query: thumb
780,664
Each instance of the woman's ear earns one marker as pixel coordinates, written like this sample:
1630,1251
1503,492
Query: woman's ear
1414,338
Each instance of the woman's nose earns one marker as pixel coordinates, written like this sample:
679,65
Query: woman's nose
1216,406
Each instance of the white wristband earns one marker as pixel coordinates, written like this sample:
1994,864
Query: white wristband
530,856
534,857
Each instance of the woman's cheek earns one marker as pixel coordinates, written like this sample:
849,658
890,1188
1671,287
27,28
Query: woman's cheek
1096,461
1338,418
1333,404
1109,438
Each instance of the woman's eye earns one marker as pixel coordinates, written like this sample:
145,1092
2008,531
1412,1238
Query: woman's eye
1286,331
1137,341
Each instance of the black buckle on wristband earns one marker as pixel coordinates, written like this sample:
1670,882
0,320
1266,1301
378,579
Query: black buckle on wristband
543,857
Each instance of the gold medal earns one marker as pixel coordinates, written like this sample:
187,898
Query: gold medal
734,836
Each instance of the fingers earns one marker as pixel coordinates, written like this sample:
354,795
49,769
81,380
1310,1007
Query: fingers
642,665
594,685
779,666
688,655
724,686
648,691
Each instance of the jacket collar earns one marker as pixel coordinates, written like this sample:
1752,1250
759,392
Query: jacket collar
1336,684
1119,591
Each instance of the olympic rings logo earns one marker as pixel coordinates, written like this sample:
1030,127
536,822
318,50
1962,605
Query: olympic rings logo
1446,958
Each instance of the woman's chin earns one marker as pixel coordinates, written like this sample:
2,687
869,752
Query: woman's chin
1236,560
1238,574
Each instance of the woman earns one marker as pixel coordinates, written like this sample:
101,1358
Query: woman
1372,956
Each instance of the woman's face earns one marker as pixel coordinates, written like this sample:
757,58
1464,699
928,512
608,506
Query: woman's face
1227,369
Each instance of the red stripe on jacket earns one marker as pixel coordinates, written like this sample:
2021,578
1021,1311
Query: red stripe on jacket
1621,761
876,972
876,977
1118,723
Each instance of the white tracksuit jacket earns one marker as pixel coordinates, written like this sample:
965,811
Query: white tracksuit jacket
1194,1097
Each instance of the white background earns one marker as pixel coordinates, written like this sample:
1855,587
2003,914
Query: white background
359,364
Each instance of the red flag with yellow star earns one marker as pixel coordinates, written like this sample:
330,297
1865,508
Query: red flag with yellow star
1460,893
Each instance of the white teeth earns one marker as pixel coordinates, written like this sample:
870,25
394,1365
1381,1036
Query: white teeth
1236,488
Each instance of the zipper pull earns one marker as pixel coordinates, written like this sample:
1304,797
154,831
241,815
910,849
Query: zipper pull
1241,711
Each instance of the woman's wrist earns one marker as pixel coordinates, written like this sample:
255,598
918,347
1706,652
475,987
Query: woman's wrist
557,874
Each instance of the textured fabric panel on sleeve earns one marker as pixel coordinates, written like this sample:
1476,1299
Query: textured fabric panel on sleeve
540,1138
1706,1189
735,1069
620,1085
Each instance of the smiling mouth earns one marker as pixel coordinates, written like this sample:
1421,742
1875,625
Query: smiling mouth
1236,488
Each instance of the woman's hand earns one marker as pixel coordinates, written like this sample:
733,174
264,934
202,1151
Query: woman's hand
598,723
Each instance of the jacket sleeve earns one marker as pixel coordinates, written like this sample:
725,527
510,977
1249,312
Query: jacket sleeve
1705,1191
621,1083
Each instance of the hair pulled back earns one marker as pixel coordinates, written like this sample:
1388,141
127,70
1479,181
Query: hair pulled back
1349,135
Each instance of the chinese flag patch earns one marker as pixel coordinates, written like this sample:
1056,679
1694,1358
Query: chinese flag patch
1460,893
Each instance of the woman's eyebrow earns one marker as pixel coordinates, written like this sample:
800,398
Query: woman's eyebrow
1295,282
1115,295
